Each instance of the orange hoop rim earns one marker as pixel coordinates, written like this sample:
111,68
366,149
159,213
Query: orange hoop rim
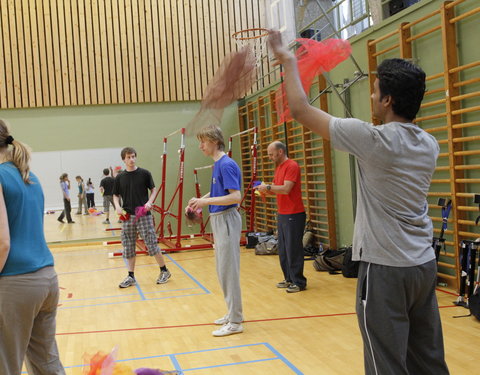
264,31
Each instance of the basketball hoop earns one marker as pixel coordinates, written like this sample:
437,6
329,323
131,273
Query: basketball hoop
255,38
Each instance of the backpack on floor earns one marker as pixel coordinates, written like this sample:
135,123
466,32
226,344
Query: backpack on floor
267,245
474,303
349,267
329,260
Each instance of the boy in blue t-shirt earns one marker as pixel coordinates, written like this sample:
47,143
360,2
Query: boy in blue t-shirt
226,223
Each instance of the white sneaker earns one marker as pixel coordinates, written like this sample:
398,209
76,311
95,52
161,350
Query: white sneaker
228,329
221,321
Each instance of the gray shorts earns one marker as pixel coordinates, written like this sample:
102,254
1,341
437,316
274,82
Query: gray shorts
107,200
144,226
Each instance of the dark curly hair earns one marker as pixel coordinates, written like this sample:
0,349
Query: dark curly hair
405,83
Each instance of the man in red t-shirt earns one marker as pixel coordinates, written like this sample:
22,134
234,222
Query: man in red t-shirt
291,216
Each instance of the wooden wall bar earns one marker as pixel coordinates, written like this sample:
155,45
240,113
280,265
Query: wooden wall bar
448,113
310,151
80,52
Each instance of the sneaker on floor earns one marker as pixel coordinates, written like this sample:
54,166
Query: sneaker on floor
71,222
129,281
106,222
294,288
163,277
284,284
221,321
61,221
228,329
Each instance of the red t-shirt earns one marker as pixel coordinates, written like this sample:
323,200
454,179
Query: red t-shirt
290,203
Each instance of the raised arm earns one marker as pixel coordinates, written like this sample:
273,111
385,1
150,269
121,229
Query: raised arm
313,118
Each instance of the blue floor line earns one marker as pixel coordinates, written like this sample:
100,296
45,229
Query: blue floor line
188,274
176,363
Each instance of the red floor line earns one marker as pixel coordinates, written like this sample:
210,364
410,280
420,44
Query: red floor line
210,324
447,292
201,324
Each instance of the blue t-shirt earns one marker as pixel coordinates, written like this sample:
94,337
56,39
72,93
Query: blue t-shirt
226,175
25,202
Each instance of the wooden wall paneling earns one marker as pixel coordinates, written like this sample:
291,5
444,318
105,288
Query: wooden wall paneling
3,83
43,98
199,49
20,52
215,32
9,101
90,39
50,61
171,69
188,66
177,49
156,80
130,50
137,51
104,37
231,26
111,22
183,28
223,37
164,51
62,43
74,53
82,32
68,11
237,13
196,72
57,53
29,84
125,60
151,47
208,41
14,55
140,15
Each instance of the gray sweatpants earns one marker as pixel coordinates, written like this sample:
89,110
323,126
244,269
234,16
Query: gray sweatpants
28,306
227,228
399,320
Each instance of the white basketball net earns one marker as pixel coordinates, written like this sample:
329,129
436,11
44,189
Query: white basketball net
255,38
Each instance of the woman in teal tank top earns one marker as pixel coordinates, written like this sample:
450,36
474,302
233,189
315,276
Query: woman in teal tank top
28,283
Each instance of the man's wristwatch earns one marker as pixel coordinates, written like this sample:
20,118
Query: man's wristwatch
269,187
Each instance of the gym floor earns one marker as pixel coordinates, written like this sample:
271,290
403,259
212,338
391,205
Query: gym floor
169,326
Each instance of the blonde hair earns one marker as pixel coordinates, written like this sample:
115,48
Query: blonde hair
20,154
214,134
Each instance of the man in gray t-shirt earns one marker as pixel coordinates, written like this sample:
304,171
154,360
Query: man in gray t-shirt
396,303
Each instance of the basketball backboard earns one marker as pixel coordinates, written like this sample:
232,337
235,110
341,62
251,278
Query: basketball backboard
281,16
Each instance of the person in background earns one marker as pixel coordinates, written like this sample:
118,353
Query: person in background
106,189
29,289
82,200
132,185
287,186
90,194
67,207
